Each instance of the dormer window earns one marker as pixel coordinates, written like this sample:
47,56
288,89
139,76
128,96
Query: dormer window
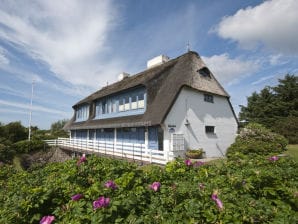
82,113
205,72
131,102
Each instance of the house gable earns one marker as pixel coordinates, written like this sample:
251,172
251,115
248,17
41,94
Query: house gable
193,117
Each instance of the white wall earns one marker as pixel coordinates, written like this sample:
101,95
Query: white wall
190,105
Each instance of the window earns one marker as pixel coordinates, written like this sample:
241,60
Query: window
208,98
98,108
141,102
126,129
82,113
130,102
121,104
127,104
134,102
113,108
210,129
205,72
103,107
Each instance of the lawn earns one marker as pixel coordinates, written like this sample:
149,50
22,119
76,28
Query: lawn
293,151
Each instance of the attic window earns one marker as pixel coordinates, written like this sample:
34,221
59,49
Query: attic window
205,72
210,129
208,98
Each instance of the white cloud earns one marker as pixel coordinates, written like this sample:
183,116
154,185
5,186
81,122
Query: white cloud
13,111
10,90
273,24
34,107
3,59
22,75
228,70
263,79
67,35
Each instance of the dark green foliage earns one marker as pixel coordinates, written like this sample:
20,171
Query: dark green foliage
6,153
288,126
13,139
252,190
255,139
274,105
13,132
26,146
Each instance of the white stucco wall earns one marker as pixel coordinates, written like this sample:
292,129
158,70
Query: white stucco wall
190,105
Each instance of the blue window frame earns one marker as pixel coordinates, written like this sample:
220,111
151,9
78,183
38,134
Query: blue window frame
131,135
105,134
153,138
80,134
82,113
131,102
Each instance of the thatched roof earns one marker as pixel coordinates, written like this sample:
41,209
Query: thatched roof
163,84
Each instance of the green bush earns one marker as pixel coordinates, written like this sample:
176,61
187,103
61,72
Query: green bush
252,190
26,146
288,127
256,139
6,153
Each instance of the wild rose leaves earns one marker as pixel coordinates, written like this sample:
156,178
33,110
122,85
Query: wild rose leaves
182,189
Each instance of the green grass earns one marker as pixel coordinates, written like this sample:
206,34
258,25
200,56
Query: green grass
293,151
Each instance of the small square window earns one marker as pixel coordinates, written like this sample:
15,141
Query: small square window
208,98
210,129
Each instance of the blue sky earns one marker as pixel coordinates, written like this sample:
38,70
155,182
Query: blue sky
72,48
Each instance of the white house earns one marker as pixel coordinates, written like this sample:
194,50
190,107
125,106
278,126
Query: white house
172,106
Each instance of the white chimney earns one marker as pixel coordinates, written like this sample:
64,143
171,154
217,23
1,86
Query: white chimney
157,61
122,75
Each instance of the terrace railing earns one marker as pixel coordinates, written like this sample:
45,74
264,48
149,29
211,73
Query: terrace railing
125,150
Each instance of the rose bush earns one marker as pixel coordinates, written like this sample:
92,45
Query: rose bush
100,190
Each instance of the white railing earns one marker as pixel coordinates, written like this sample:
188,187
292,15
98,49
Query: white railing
133,151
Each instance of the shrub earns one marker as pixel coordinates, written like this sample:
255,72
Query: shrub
26,146
252,190
6,153
256,139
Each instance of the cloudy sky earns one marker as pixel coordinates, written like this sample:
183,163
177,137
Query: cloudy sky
71,48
